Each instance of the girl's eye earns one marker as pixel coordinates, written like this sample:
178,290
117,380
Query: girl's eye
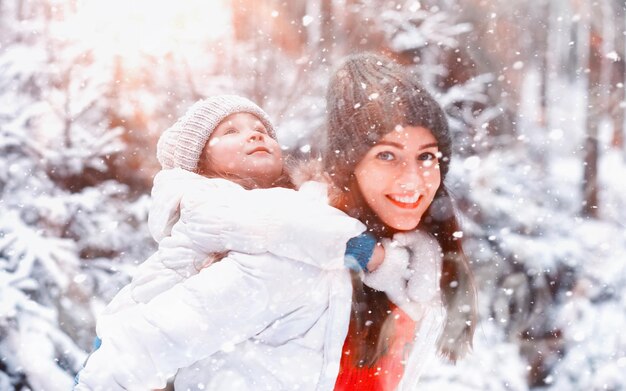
230,131
385,156
261,129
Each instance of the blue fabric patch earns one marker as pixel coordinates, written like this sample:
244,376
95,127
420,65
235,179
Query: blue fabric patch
96,343
359,251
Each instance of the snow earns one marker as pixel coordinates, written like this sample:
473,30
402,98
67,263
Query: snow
78,126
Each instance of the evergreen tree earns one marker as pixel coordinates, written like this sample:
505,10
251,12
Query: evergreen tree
68,228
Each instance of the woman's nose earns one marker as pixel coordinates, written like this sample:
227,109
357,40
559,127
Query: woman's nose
410,178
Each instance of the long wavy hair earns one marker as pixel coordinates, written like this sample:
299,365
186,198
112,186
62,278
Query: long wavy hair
368,96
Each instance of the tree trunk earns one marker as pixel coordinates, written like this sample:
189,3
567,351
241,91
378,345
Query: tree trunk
590,170
292,36
19,10
242,11
589,55
619,114
327,28
544,66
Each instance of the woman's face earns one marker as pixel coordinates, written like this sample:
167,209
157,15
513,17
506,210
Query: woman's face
399,176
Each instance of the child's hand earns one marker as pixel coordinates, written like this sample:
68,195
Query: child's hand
359,251
377,258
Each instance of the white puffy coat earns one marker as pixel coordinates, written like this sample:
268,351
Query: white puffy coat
275,320
273,314
193,217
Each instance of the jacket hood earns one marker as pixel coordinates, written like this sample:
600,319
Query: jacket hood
167,192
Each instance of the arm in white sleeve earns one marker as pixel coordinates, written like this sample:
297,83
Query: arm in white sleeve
145,345
294,224
298,225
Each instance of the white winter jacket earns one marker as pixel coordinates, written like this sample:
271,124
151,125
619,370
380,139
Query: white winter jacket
275,318
273,314
193,217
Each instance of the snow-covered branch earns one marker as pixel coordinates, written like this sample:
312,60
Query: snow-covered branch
415,28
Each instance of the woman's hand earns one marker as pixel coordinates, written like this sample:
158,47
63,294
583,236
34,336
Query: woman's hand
410,272
392,274
425,265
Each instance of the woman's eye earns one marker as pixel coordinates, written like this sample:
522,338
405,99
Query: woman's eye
426,156
385,156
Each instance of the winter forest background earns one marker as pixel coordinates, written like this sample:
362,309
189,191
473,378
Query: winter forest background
534,91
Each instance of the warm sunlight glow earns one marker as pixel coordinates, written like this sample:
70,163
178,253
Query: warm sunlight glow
154,27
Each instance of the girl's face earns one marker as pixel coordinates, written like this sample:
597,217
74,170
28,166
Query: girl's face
240,147
399,176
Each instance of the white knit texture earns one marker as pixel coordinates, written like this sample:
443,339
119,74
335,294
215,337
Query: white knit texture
181,145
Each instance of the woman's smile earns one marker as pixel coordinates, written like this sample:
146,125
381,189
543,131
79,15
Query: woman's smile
410,201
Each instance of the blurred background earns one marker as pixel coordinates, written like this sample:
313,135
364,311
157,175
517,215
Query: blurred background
534,91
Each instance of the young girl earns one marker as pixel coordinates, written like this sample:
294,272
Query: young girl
388,152
272,314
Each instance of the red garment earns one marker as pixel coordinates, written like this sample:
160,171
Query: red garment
386,374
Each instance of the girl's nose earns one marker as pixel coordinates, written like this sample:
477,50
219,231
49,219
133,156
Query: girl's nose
256,136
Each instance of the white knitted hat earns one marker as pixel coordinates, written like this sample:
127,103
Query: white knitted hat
181,145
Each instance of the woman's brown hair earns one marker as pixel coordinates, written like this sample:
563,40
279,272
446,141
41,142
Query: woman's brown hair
368,96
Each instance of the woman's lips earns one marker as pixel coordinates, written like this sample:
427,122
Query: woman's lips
404,201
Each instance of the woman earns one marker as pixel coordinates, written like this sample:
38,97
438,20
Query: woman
388,151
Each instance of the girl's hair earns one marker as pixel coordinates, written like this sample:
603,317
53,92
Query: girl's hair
368,96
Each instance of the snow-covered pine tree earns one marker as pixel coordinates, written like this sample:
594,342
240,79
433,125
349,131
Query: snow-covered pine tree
66,224
549,278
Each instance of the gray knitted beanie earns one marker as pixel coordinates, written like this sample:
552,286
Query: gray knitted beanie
181,145
367,97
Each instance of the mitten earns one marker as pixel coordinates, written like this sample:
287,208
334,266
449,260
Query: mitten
359,251
391,276
425,263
